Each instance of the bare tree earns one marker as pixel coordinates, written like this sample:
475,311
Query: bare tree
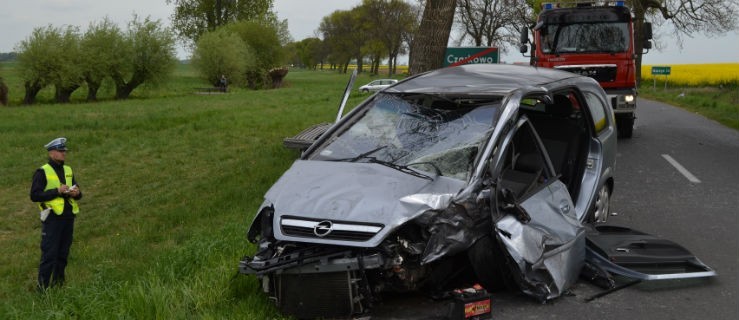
488,22
430,41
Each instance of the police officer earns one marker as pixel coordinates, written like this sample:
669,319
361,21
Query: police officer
54,187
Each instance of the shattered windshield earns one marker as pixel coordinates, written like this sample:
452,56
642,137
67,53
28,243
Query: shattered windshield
611,37
436,134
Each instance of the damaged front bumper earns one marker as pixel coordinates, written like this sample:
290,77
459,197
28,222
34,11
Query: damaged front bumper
312,260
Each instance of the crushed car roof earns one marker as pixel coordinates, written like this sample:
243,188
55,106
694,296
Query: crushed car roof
481,78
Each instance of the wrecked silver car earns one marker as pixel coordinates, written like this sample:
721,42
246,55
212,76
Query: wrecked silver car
471,174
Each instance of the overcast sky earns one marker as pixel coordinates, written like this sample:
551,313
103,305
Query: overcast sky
19,17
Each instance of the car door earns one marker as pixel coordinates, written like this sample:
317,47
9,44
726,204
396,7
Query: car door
536,221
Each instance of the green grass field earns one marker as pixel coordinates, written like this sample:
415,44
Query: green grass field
171,180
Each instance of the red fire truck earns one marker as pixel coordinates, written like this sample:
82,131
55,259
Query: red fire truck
595,40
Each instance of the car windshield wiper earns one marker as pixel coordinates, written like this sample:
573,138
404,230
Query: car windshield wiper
359,157
401,168
433,165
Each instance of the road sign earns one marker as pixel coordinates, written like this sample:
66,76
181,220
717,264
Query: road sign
455,56
661,70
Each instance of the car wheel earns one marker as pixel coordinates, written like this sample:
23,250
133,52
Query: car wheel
602,207
488,263
365,90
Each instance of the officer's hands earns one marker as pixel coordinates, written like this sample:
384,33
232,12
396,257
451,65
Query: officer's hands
65,190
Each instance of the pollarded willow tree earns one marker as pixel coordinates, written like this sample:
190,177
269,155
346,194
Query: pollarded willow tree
148,56
100,49
50,55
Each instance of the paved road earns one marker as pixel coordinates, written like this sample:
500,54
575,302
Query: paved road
653,196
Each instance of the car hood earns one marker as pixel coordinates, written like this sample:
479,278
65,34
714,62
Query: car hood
353,194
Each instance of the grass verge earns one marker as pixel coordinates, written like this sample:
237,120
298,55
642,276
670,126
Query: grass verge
718,103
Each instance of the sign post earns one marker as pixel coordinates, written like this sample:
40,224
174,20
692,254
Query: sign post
456,56
660,70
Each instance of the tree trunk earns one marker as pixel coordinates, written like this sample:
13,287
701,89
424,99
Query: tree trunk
430,41
92,89
391,61
32,90
122,92
360,63
638,38
123,89
3,93
63,94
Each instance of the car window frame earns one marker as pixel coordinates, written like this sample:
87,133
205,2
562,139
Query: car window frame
498,159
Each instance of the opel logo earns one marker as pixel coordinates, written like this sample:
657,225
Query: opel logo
323,228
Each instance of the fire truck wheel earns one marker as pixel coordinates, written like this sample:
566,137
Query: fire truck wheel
625,127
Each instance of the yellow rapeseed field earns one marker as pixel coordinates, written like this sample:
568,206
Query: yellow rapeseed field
693,75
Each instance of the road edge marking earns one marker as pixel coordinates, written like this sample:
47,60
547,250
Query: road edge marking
681,169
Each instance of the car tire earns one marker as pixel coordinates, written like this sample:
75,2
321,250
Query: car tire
602,206
625,127
488,262
365,90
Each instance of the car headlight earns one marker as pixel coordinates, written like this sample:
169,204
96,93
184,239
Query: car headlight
629,98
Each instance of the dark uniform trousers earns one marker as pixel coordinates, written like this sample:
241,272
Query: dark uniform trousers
56,239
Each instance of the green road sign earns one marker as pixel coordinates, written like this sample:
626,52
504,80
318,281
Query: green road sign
661,71
456,56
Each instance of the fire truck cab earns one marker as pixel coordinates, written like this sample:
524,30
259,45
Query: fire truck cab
595,40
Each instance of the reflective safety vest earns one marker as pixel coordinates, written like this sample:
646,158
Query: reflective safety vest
52,182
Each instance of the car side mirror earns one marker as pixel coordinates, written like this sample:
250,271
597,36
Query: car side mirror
523,49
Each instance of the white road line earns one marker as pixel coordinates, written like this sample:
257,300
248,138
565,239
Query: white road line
681,169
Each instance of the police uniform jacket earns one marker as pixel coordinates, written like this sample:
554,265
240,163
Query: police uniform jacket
39,195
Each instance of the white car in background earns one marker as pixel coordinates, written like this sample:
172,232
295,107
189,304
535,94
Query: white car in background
377,85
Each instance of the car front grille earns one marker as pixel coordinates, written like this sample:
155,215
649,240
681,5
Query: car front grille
601,73
328,229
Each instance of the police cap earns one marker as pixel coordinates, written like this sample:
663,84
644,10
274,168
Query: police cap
57,144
